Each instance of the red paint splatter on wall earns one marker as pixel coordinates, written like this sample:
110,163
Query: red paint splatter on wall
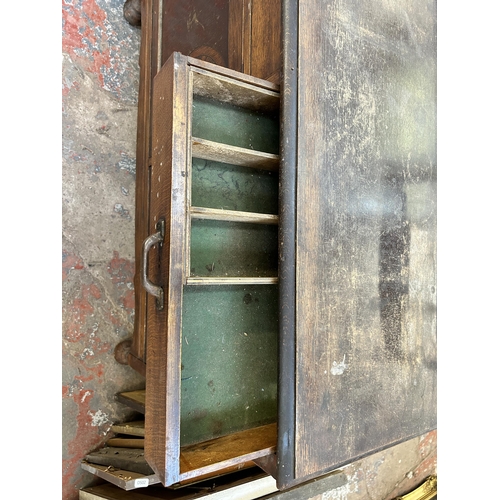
67,86
113,318
84,36
98,370
128,300
427,443
427,467
121,270
87,436
427,448
70,262
80,309
122,274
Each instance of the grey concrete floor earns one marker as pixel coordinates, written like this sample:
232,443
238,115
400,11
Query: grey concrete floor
99,95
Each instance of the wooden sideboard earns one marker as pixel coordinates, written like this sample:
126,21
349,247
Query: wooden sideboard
306,312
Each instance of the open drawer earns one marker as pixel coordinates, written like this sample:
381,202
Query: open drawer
212,271
350,329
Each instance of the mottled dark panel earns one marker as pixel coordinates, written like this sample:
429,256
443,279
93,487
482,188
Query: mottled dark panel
366,229
196,28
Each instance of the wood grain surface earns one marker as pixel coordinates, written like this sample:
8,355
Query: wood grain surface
134,399
169,419
134,428
168,193
254,38
366,229
233,155
148,69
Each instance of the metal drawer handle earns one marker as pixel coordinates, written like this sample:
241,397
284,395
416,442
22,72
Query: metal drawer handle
149,242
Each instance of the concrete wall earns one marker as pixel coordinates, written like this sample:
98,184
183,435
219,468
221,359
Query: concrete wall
99,97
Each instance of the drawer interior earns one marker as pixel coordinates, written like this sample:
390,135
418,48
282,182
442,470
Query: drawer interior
217,407
229,338
225,248
235,125
232,187
229,360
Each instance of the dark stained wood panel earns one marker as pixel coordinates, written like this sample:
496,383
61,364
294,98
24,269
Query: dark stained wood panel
366,229
285,454
254,38
169,146
148,69
265,40
220,32
196,28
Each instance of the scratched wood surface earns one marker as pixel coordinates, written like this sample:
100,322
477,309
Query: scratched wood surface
366,229
223,339
237,34
134,399
196,28
168,187
148,69
254,38
134,428
120,458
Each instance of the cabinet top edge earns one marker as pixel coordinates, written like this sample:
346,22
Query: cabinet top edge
223,71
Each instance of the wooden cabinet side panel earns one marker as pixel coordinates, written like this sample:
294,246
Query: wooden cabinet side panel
239,33
265,40
147,70
196,28
166,268
287,249
254,38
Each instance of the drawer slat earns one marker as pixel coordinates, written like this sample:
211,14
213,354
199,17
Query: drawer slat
238,447
233,155
232,215
228,280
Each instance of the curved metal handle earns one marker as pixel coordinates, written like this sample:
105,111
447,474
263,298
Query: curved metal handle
149,242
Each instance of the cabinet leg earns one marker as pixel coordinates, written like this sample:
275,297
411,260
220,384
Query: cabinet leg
122,351
132,12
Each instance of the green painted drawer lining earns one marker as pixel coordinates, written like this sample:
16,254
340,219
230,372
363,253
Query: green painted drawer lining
229,360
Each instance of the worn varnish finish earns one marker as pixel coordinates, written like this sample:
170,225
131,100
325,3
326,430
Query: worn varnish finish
357,237
133,399
121,458
134,428
124,479
366,229
195,28
215,333
148,69
254,38
286,265
162,424
232,33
